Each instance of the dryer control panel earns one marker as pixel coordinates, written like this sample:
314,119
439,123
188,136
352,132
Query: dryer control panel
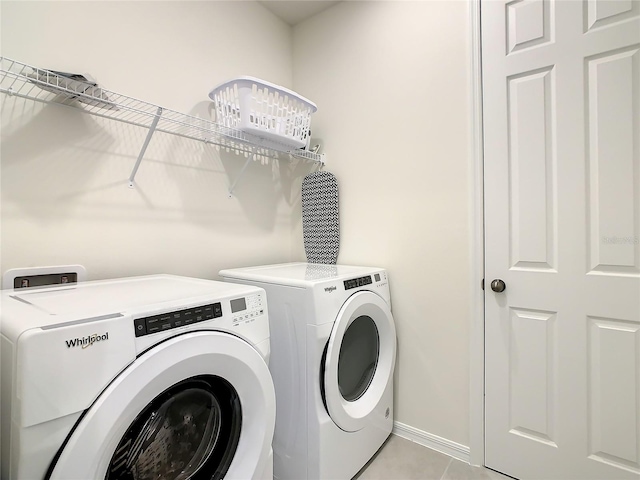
357,282
247,309
178,318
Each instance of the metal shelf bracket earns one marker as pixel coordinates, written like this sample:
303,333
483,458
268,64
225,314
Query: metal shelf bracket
152,129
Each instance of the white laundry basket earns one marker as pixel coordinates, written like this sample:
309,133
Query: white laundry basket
275,117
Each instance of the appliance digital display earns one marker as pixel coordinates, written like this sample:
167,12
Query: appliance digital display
357,282
238,304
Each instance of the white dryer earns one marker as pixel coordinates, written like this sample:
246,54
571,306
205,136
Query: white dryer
333,345
138,378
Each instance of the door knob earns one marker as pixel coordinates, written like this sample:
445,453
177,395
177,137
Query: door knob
498,285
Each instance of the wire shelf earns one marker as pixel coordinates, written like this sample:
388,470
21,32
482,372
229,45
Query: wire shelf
25,81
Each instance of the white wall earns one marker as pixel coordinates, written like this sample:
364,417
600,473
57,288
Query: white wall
391,83
64,188
390,80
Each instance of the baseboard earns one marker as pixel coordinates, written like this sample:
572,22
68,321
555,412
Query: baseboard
431,441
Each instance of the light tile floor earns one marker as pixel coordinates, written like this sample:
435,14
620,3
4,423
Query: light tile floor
401,459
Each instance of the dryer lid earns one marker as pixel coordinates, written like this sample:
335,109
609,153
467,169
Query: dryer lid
299,274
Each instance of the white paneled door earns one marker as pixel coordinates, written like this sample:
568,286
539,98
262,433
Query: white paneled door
561,102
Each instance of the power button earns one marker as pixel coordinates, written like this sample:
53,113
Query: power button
140,327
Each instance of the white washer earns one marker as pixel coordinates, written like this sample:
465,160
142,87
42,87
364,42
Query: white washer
144,377
333,345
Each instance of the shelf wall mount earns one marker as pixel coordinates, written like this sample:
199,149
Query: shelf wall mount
150,133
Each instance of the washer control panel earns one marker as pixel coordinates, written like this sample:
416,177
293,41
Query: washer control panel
178,318
247,309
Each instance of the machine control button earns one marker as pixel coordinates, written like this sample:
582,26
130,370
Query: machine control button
179,318
153,329
140,326
151,321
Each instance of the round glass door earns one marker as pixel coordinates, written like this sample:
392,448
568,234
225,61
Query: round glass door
358,357
190,431
359,360
200,405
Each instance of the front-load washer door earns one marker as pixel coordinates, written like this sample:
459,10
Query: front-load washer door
197,406
359,360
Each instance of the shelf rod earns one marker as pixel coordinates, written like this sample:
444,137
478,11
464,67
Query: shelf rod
152,129
244,167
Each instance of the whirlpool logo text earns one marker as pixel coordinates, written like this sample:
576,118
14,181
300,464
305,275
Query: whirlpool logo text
87,341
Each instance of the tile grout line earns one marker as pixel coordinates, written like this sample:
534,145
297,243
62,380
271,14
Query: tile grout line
446,469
